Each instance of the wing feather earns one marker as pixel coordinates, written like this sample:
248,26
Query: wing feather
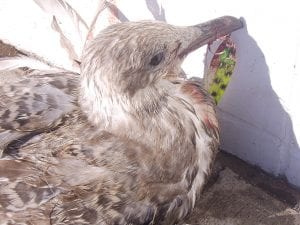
35,102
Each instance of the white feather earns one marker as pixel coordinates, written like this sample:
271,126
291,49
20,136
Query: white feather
100,8
28,29
66,43
68,23
56,30
11,63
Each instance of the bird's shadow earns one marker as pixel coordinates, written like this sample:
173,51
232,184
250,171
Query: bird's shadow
254,124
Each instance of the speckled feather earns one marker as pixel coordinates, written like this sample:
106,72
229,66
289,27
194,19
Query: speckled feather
137,146
105,178
34,103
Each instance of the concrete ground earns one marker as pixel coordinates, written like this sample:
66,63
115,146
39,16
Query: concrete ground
237,193
240,194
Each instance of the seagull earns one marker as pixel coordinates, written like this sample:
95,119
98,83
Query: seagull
127,141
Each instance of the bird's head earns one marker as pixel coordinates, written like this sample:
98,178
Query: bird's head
128,62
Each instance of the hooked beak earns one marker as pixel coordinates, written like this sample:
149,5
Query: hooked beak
201,34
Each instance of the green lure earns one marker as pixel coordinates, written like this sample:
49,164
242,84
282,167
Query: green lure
220,70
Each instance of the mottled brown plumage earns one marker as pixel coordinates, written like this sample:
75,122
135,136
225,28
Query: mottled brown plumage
133,145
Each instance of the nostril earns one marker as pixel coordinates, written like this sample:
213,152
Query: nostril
176,50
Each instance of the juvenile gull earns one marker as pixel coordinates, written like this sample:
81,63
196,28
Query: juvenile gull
128,141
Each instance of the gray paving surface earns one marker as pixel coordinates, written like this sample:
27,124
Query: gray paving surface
239,194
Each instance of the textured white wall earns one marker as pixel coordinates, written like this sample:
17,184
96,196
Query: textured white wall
260,112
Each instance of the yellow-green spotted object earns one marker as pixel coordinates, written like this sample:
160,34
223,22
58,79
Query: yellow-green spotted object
220,69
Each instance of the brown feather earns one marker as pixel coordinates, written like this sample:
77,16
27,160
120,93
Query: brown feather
127,147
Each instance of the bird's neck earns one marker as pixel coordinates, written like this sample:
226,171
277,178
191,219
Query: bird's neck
108,108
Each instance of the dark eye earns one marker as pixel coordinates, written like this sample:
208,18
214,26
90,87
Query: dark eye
157,59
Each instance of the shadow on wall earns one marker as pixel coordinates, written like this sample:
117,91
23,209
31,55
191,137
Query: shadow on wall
254,125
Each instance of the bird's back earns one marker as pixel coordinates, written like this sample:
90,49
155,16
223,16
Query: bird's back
34,102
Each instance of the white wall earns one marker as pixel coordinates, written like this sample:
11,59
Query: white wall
260,113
